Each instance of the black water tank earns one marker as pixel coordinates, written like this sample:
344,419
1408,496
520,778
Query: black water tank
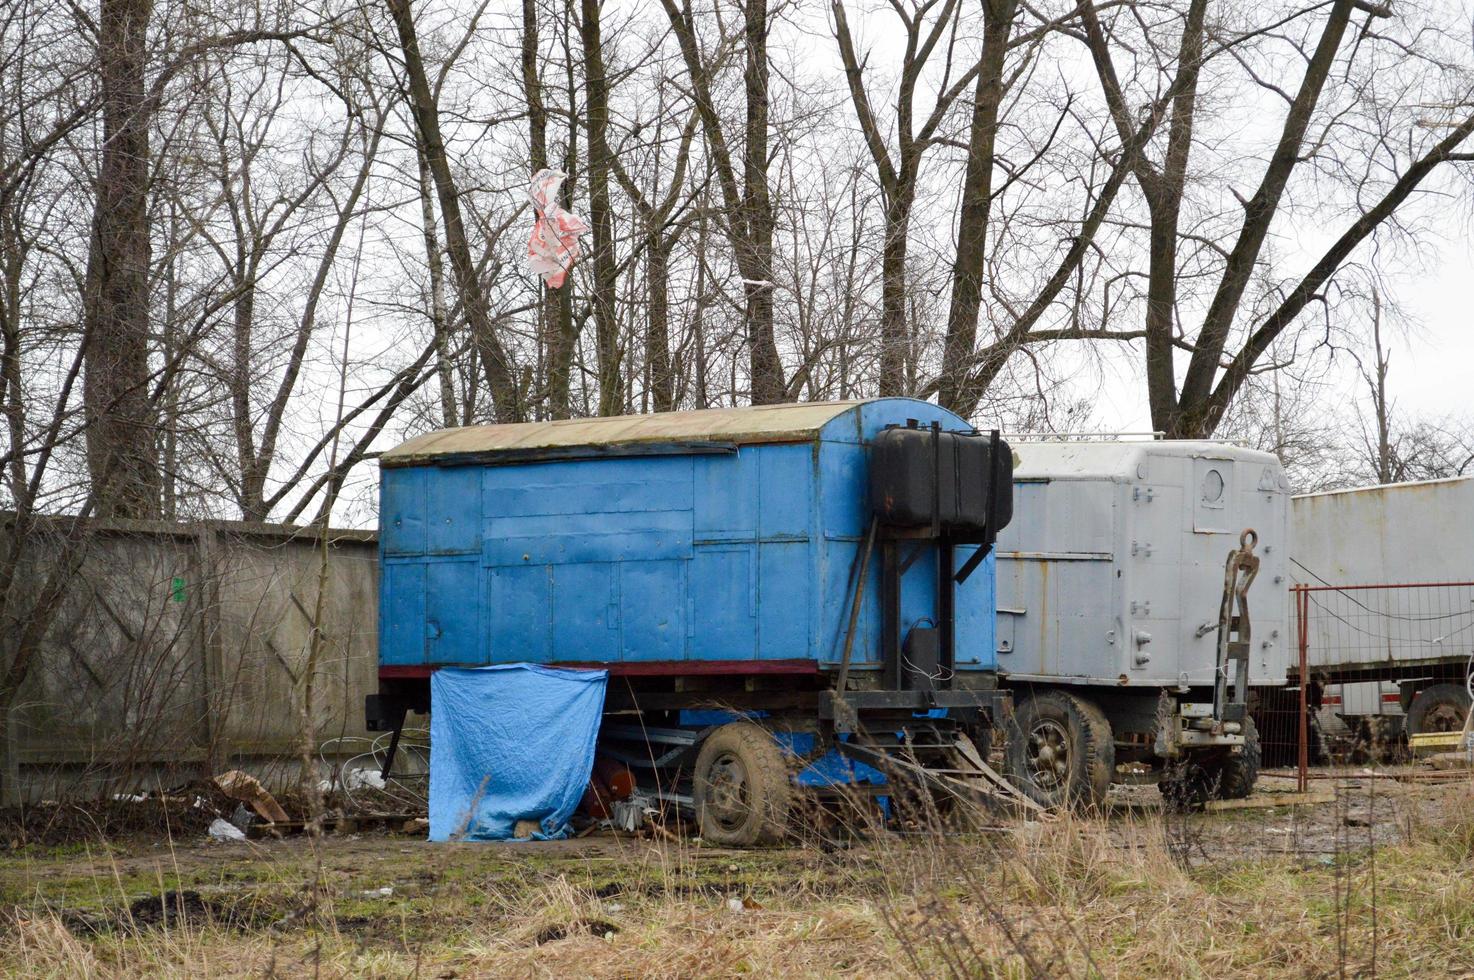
922,476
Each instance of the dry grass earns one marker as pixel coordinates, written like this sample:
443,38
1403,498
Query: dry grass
1074,898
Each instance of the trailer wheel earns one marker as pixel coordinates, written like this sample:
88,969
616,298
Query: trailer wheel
1060,751
1439,708
741,789
1237,774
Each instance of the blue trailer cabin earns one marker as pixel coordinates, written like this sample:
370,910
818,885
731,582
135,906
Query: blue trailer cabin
739,557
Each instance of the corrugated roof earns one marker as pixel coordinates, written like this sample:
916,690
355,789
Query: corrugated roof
740,426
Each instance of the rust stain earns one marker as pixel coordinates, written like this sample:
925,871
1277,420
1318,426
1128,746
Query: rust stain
1045,654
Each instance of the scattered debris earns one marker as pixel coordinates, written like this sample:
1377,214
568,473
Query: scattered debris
354,779
243,817
631,814
222,829
248,789
1434,744
400,823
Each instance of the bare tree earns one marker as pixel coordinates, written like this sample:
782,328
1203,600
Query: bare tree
500,378
924,24
748,207
121,426
601,213
1215,373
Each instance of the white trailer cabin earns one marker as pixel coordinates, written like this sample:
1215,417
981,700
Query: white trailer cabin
1111,572
1111,581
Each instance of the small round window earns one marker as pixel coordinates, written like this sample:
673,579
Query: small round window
1213,487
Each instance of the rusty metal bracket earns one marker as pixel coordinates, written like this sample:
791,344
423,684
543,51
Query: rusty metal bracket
1234,630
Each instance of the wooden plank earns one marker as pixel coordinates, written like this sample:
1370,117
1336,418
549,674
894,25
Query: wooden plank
1261,801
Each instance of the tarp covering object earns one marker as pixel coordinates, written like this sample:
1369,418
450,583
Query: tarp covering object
509,743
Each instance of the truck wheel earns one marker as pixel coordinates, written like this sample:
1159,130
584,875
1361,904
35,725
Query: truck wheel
741,789
1060,751
1188,784
1439,708
1238,773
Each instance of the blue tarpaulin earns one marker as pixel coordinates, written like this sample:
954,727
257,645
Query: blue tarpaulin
507,743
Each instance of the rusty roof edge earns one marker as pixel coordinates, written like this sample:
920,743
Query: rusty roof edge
1408,485
744,425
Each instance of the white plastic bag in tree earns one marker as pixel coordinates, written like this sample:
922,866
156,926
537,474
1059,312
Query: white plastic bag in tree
553,248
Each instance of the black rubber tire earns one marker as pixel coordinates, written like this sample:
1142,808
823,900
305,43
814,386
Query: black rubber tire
1237,774
1082,730
1203,776
1187,784
1438,708
741,787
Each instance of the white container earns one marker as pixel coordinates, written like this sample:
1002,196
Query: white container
1400,535
1112,570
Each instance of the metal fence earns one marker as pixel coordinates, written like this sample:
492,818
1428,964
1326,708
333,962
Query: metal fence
1361,650
178,651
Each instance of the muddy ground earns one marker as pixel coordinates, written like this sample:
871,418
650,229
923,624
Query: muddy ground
413,899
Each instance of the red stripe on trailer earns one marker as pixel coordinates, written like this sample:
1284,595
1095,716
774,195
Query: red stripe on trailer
647,668
1391,698
1332,699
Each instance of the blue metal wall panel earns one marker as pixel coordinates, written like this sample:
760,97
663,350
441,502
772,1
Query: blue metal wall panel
785,491
652,610
452,610
723,602
402,510
452,516
402,613
586,601
977,604
784,580
725,490
519,612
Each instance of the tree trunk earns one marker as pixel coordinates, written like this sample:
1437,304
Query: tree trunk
253,468
438,316
121,422
1197,415
1379,396
601,215
1164,194
764,364
972,218
657,326
506,401
895,335
556,317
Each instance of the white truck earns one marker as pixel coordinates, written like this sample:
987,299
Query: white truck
1391,624
1111,613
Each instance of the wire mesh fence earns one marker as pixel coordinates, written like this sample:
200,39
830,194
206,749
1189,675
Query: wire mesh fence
1372,664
